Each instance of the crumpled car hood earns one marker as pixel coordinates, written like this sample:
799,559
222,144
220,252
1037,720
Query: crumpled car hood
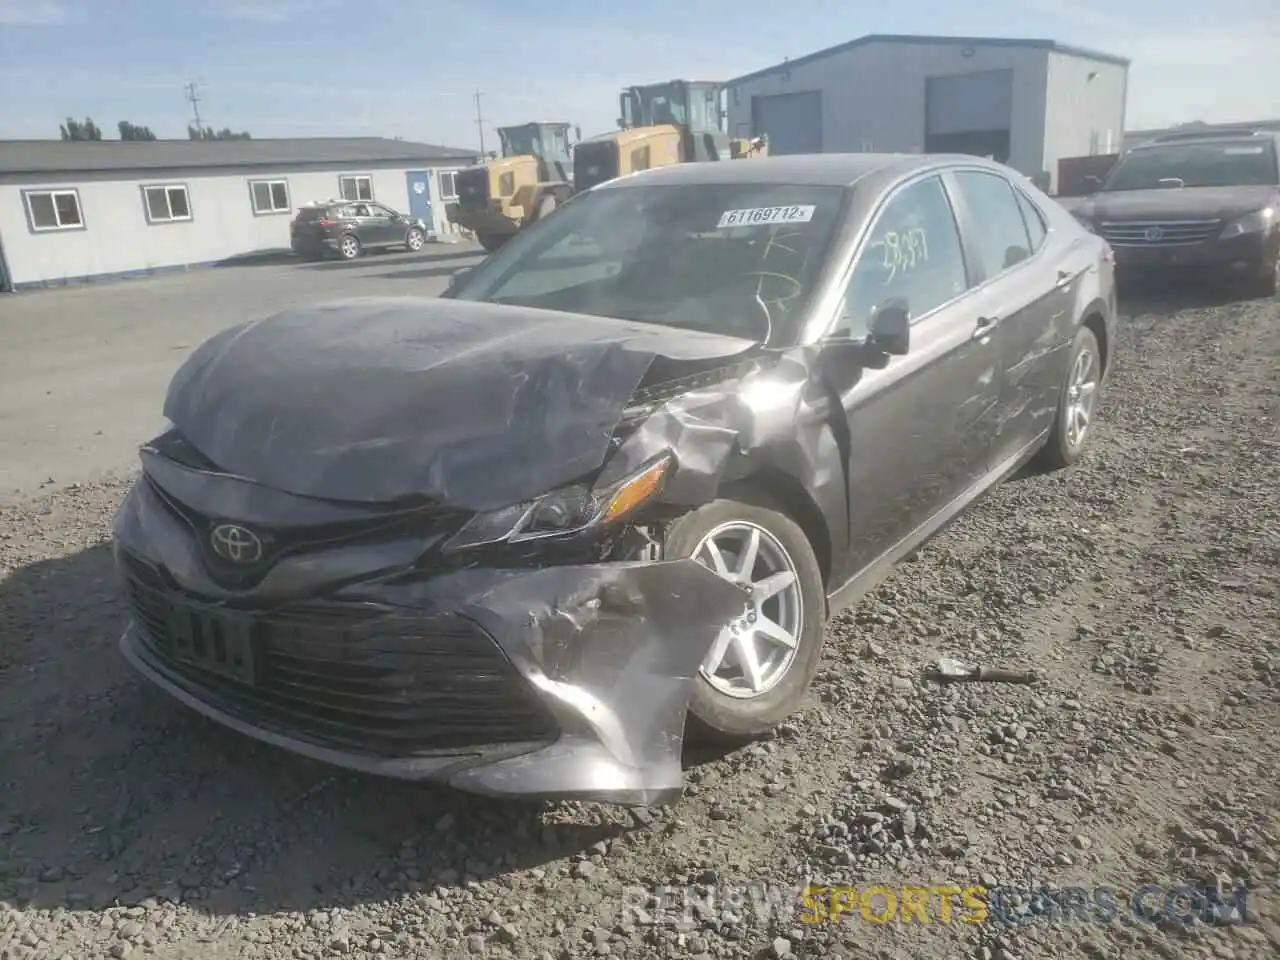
384,398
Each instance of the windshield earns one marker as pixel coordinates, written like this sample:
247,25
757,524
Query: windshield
1222,164
663,105
520,142
738,259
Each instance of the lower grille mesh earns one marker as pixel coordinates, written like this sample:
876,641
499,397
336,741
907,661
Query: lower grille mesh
344,675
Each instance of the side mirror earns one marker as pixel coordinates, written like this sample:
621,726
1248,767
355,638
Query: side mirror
458,279
890,328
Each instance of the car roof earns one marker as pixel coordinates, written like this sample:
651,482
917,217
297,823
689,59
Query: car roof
821,169
1237,137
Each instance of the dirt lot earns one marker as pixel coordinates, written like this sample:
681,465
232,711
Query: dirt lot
1142,584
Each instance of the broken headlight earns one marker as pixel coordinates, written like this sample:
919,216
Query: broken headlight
566,510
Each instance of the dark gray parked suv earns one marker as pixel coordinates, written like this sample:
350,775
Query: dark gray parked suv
348,228
1203,203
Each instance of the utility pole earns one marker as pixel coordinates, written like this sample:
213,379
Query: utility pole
193,97
479,120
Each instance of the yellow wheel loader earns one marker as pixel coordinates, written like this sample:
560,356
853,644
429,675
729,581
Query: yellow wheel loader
662,123
533,176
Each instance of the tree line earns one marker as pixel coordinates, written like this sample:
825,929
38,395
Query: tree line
86,130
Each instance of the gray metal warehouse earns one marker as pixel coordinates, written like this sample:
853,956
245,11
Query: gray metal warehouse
74,211
1023,102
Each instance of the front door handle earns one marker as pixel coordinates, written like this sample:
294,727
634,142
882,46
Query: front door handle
1064,278
985,327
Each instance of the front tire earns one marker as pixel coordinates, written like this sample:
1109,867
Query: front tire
759,668
490,242
1076,404
1267,281
349,247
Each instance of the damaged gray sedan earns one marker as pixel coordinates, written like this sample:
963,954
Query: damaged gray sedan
613,483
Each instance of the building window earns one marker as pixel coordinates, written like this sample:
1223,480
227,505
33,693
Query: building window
166,203
448,185
53,210
359,187
269,196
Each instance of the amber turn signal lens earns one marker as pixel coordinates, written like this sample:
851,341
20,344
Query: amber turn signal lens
637,491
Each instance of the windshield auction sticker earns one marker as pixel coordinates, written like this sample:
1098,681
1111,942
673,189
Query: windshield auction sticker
765,216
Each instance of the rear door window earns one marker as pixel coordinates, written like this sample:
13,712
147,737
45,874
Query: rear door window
1000,233
1034,220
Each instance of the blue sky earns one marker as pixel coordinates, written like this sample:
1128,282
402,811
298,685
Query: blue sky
408,67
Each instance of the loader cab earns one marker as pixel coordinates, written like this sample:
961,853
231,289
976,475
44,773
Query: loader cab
548,143
692,106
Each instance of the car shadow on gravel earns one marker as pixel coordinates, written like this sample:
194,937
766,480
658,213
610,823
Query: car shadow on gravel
110,792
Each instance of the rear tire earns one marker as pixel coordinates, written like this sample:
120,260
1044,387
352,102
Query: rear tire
490,242
1077,404
724,706
414,240
349,246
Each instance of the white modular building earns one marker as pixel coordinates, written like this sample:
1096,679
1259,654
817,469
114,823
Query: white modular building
86,210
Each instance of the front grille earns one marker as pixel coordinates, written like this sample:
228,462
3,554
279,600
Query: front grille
472,185
595,162
346,675
431,523
1161,233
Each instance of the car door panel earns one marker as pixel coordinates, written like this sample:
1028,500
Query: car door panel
1027,297
919,425
919,431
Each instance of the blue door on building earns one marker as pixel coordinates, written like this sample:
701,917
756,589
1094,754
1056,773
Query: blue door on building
420,197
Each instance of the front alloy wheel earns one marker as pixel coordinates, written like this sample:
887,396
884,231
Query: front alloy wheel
758,668
754,651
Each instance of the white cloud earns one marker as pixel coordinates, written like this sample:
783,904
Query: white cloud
33,13
276,11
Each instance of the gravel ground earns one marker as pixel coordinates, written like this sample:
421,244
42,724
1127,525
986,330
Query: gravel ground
1142,585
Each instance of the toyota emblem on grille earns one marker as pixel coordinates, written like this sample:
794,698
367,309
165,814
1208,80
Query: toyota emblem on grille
235,544
1153,234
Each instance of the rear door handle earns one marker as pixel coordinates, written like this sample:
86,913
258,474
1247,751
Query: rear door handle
985,327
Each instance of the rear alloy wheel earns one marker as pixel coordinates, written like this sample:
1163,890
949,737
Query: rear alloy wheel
349,247
1076,406
758,669
415,239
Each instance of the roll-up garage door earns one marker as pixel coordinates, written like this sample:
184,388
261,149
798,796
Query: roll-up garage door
967,102
969,113
792,121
